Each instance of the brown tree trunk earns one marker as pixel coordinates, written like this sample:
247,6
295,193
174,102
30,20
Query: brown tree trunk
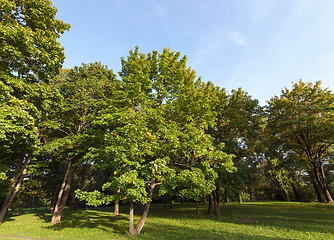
116,210
140,224
239,197
14,186
323,184
171,202
197,207
316,186
62,197
296,192
210,204
19,210
76,206
216,200
55,190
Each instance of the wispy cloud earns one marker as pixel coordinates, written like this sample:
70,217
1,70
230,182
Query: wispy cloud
236,37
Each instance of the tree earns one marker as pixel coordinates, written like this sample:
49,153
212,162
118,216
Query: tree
84,91
29,55
238,126
302,120
155,132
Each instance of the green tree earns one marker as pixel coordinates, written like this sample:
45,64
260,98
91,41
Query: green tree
238,125
29,55
155,132
84,91
302,120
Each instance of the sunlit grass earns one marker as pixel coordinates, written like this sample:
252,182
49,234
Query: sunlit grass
251,220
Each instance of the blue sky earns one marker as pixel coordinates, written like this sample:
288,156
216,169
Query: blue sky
258,45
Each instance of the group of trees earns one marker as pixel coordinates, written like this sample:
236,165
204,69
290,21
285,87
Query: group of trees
155,132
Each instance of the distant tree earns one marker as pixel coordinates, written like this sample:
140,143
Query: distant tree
302,120
237,126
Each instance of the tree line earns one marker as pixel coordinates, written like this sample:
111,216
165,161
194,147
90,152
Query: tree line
152,132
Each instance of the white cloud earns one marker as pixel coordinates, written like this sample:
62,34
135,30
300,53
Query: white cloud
236,37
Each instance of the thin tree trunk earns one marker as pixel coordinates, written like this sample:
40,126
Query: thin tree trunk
19,210
55,190
316,186
63,194
163,202
36,206
16,182
60,194
239,197
116,210
171,202
197,207
210,204
140,224
76,206
296,192
216,200
323,184
131,228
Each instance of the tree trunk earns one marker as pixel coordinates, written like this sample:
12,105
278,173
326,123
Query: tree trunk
36,206
55,190
136,231
323,184
216,200
171,203
239,197
116,210
63,194
19,210
210,204
76,206
296,192
197,207
316,186
14,186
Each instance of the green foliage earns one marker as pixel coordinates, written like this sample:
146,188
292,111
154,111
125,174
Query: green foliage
28,44
302,119
155,128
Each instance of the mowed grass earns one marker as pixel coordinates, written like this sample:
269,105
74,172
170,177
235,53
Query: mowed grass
250,220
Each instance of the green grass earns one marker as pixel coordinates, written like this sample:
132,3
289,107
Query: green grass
251,220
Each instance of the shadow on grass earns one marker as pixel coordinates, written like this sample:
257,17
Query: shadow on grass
99,218
238,221
316,218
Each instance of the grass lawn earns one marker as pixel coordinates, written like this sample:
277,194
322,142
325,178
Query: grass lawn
250,220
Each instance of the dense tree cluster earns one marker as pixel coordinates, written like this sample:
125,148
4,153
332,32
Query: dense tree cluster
155,132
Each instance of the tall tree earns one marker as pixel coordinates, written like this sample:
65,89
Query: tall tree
155,131
29,55
84,90
237,125
302,119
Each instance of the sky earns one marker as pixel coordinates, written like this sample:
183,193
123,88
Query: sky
261,46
